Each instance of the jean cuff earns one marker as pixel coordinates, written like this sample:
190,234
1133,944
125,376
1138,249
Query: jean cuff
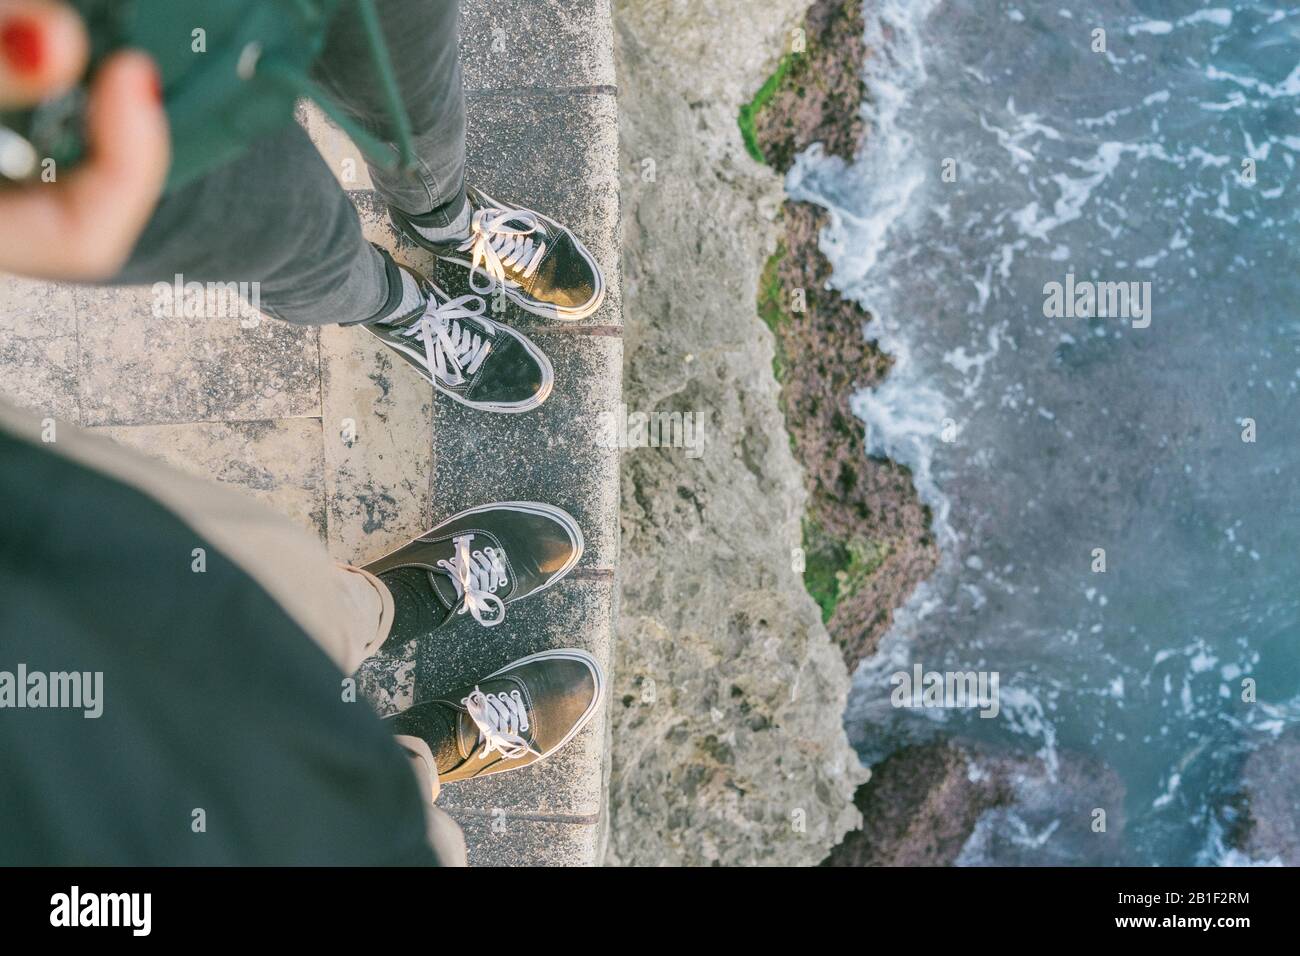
393,276
444,215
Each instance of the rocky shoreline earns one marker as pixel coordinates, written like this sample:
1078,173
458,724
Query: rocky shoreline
727,742
866,533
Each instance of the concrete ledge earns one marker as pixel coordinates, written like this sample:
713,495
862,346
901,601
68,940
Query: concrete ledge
548,44
501,840
553,147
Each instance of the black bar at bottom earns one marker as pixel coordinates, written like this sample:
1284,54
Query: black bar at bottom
336,906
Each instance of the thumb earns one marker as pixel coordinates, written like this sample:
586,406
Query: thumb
128,153
84,224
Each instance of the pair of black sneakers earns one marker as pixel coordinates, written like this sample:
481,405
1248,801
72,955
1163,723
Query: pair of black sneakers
513,253
482,560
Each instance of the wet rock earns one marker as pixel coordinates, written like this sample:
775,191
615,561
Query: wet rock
919,809
866,534
945,803
819,95
1270,825
1068,814
865,522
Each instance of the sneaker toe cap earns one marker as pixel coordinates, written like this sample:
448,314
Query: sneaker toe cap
550,549
564,691
565,279
513,375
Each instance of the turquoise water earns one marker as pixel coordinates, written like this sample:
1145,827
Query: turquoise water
1069,434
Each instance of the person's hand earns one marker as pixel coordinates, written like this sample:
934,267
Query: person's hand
85,223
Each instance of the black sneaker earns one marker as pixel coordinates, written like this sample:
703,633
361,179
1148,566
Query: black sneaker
517,716
479,561
467,356
541,265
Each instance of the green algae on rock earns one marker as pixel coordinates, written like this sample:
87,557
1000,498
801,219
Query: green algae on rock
750,111
834,569
865,509
815,93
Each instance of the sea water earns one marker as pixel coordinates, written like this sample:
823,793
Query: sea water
1116,499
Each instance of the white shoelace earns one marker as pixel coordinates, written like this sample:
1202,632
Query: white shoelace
454,350
494,245
476,576
501,719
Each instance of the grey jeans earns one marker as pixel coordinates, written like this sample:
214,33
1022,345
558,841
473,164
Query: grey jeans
277,215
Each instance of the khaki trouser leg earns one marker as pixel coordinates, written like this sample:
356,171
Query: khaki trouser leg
346,610
443,833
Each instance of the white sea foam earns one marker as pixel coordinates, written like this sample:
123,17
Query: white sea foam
1026,715
905,414
1237,858
1219,17
1171,788
1216,852
1157,27
1288,87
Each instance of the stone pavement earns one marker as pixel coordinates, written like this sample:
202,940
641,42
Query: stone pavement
324,426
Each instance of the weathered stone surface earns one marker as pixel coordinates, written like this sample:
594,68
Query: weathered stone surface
499,839
555,44
727,738
276,462
387,680
38,347
555,454
340,153
138,368
378,445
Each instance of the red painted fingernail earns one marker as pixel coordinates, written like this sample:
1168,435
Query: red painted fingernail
151,80
23,43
